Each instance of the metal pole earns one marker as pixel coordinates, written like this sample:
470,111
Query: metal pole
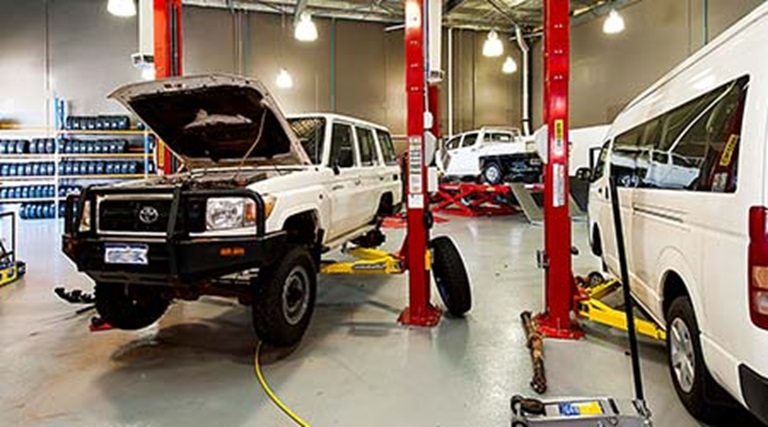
168,58
628,306
450,82
555,321
525,51
419,312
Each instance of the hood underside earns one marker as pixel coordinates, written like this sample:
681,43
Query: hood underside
215,119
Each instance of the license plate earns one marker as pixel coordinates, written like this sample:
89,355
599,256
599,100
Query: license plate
125,253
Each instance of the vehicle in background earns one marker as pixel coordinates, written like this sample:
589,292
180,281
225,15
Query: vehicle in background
690,159
583,142
491,155
261,199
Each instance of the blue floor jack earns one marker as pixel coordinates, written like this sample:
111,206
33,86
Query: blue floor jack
595,411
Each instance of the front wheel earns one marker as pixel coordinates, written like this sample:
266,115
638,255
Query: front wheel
284,299
690,377
126,307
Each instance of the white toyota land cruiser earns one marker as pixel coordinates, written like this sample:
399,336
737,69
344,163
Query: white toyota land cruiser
262,197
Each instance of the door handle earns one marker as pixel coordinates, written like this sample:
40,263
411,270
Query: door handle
337,187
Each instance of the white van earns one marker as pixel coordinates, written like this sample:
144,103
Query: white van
690,158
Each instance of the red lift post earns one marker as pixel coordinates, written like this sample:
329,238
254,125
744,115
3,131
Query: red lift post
420,311
167,20
555,321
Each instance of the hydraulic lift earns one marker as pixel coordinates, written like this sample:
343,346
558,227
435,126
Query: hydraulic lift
470,199
563,296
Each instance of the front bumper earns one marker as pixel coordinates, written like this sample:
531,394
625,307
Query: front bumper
754,390
174,258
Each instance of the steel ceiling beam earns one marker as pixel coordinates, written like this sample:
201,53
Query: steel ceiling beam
301,5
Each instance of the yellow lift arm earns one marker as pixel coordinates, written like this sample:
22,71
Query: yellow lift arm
595,310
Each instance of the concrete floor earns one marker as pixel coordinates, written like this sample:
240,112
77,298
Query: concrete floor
355,367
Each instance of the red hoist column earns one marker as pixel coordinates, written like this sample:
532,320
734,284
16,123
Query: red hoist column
555,321
167,16
419,312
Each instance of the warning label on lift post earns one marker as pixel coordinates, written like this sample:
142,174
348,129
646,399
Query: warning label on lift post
415,175
558,169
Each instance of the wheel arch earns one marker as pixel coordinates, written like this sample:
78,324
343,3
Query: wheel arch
305,225
677,280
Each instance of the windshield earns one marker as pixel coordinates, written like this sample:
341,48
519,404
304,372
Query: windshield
311,132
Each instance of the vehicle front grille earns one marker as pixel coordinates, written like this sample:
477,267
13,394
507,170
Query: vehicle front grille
134,216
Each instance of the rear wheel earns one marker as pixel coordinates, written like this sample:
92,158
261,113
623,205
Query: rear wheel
124,307
450,276
693,382
284,299
492,173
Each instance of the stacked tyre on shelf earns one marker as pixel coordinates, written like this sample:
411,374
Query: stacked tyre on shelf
91,156
36,192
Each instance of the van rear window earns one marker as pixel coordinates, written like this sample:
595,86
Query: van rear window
694,147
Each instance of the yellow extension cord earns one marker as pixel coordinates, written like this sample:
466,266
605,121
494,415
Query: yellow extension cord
272,396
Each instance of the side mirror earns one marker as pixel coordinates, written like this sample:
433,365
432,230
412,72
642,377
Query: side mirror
336,168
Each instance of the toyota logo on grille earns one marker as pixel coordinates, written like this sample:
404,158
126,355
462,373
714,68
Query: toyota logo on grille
148,215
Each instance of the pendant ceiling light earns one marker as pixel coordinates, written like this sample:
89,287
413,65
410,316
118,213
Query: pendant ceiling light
284,79
122,8
614,24
493,46
306,30
510,66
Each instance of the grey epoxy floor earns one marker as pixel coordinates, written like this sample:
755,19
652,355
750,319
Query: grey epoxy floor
355,367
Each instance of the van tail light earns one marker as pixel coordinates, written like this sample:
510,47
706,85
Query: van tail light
758,266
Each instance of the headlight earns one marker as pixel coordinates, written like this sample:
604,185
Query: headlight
226,213
85,217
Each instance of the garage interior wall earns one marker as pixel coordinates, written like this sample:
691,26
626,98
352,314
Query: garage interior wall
353,68
610,70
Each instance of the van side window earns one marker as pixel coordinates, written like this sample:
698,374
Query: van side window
342,147
703,154
387,147
693,147
627,158
368,155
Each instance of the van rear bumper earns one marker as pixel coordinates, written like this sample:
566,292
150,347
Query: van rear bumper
754,390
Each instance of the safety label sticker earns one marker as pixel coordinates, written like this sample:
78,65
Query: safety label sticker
558,195
559,137
416,201
730,147
415,178
580,408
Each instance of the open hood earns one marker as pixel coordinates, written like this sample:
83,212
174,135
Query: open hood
215,119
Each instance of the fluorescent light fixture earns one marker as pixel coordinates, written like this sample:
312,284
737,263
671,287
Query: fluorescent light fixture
305,30
510,66
284,79
614,24
122,8
492,46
